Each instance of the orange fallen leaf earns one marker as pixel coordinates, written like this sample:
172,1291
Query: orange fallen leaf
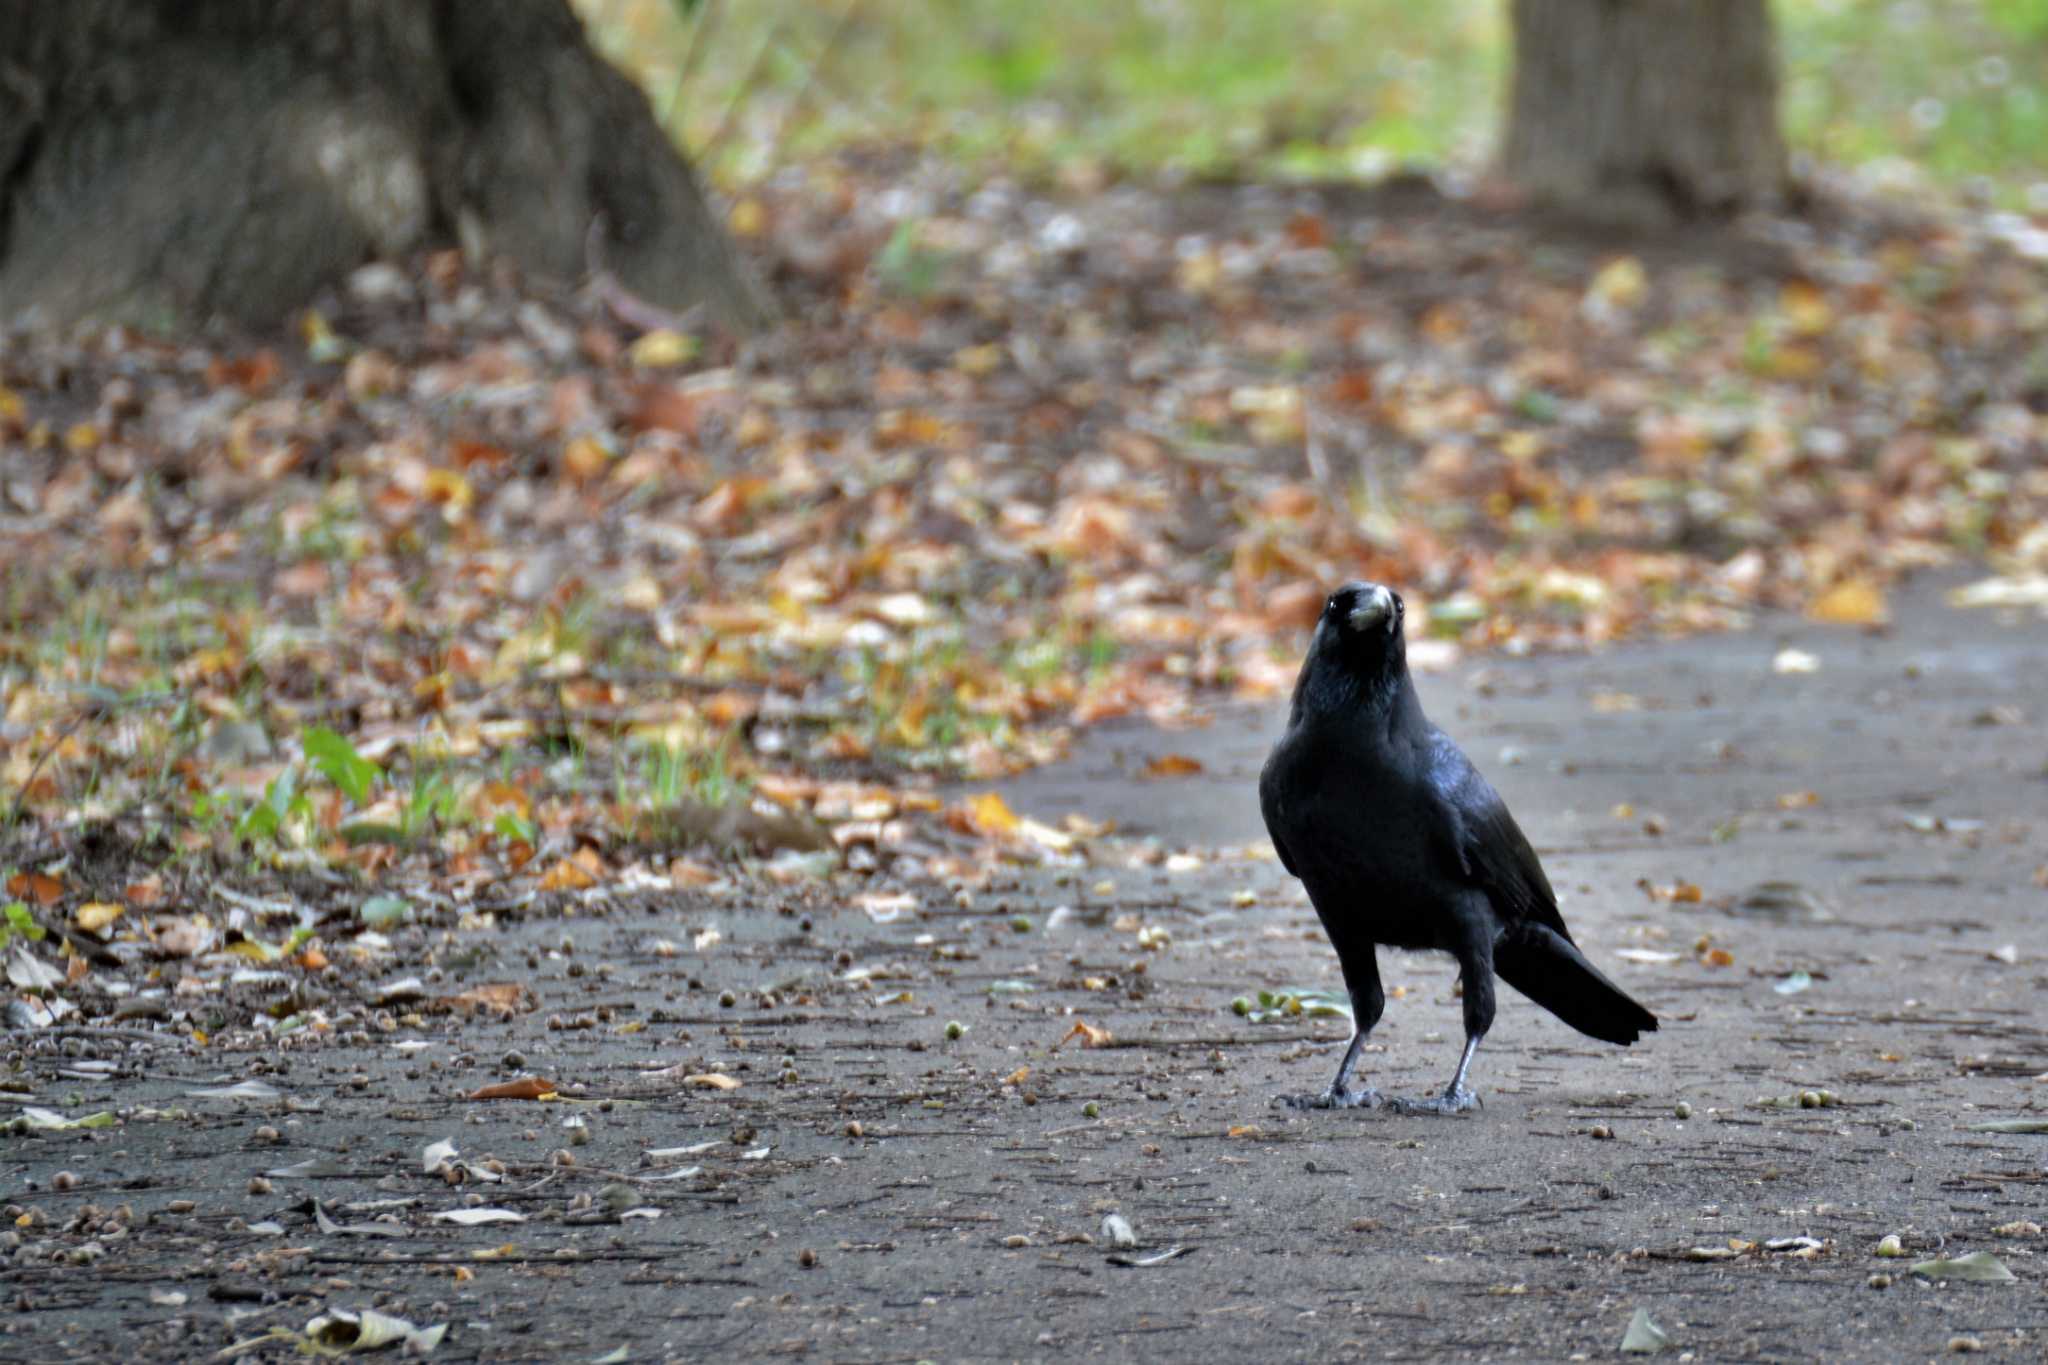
526,1088
988,813
1173,765
578,872
500,997
1246,1130
1851,602
1089,1035
312,959
711,1080
39,887
1717,957
1018,1077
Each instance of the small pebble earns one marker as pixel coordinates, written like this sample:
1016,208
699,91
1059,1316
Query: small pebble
726,999
1809,1099
955,1030
1890,1245
1091,1110
853,1128
259,1185
64,1180
807,1258
1600,1132
1682,1109
1964,1345
1879,1281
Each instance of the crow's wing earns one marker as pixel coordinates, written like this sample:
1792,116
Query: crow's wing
1270,807
1486,844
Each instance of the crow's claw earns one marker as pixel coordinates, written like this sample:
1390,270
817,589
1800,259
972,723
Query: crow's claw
1365,1097
1450,1102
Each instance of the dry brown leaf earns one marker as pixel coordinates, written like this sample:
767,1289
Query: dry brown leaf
526,1088
1173,765
39,887
499,997
1089,1035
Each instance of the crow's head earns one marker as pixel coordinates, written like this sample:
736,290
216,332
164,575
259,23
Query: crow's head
1360,634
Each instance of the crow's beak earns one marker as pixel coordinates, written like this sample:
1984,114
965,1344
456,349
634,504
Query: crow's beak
1375,607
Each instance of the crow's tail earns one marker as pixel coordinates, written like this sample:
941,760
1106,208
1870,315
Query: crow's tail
1546,967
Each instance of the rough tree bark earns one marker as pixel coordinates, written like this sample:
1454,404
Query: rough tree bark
172,160
1642,111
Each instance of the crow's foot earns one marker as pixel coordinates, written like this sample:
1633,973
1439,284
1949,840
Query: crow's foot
1450,1102
1365,1097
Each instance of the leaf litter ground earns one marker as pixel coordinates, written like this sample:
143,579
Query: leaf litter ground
350,677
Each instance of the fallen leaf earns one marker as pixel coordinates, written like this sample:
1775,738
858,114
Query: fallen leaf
1173,765
1643,1337
1979,1267
1089,1035
525,1088
711,1080
94,916
1852,602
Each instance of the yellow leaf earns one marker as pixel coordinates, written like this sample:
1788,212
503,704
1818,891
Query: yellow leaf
747,219
1851,602
1621,283
567,876
662,349
1246,1130
97,915
979,360
449,489
991,814
1806,308
1018,1077
585,457
711,1080
1173,765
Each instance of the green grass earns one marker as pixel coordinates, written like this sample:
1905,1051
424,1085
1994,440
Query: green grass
1276,88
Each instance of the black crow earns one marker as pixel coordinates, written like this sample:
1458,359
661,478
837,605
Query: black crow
1400,841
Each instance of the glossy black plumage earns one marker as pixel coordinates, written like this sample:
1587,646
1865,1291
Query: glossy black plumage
1400,841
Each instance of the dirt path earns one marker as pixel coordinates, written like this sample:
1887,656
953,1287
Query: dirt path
1877,825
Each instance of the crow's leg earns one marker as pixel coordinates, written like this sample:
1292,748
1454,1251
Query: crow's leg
1475,963
1368,1002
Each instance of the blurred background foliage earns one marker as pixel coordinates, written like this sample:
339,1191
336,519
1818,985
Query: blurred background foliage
1903,91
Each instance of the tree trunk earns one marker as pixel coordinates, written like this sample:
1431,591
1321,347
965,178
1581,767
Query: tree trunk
174,160
1642,111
